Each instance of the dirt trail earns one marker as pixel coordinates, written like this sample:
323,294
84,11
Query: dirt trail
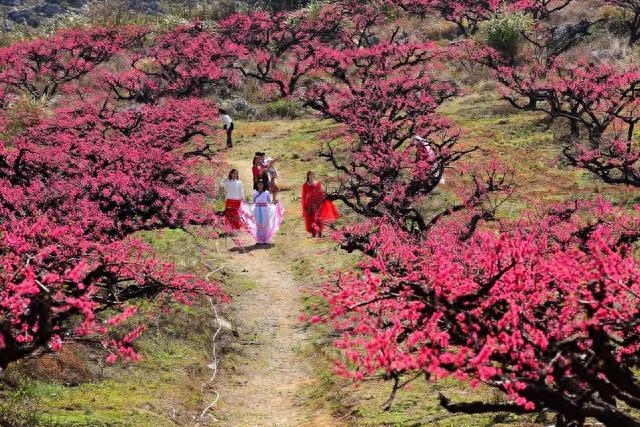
267,389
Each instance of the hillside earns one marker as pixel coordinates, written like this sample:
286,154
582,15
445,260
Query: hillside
270,372
16,14
483,158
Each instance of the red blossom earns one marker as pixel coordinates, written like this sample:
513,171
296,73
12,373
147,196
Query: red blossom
80,179
528,310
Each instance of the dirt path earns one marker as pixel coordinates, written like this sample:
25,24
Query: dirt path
268,388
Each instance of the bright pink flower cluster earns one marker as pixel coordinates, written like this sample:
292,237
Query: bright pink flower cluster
79,178
545,310
40,67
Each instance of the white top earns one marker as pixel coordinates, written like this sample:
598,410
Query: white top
271,169
431,155
264,197
233,188
427,147
226,119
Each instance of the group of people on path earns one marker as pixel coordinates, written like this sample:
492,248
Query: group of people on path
263,216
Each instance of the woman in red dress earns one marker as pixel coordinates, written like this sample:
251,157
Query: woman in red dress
259,173
317,210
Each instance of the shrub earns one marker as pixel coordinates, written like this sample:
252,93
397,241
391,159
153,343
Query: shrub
504,33
208,11
283,108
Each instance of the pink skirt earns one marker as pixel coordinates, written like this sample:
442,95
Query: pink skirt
262,220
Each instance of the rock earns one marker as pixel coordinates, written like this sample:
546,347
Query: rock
242,107
10,2
607,55
373,40
5,25
48,10
150,8
565,35
26,17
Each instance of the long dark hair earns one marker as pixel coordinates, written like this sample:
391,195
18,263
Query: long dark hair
309,173
231,172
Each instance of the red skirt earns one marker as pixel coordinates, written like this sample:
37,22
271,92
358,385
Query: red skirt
316,218
232,213
328,211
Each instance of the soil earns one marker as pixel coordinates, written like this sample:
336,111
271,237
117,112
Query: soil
269,388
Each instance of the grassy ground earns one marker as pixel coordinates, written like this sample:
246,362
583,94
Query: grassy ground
525,142
165,388
530,145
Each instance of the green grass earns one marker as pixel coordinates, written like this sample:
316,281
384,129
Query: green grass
176,346
161,390
521,140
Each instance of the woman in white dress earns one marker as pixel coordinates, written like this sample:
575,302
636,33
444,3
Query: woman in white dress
234,191
267,215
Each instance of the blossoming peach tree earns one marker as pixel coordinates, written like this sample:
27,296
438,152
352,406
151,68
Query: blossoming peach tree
543,308
80,178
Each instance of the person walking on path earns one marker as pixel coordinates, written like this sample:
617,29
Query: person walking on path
316,208
267,216
234,191
259,172
228,126
272,174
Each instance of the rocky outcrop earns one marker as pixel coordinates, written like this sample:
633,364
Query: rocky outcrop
33,12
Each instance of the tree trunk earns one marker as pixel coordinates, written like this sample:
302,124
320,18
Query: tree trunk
575,128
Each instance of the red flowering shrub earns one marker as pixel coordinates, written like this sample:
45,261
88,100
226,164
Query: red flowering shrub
40,67
56,282
385,96
186,61
77,181
280,49
598,99
545,310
